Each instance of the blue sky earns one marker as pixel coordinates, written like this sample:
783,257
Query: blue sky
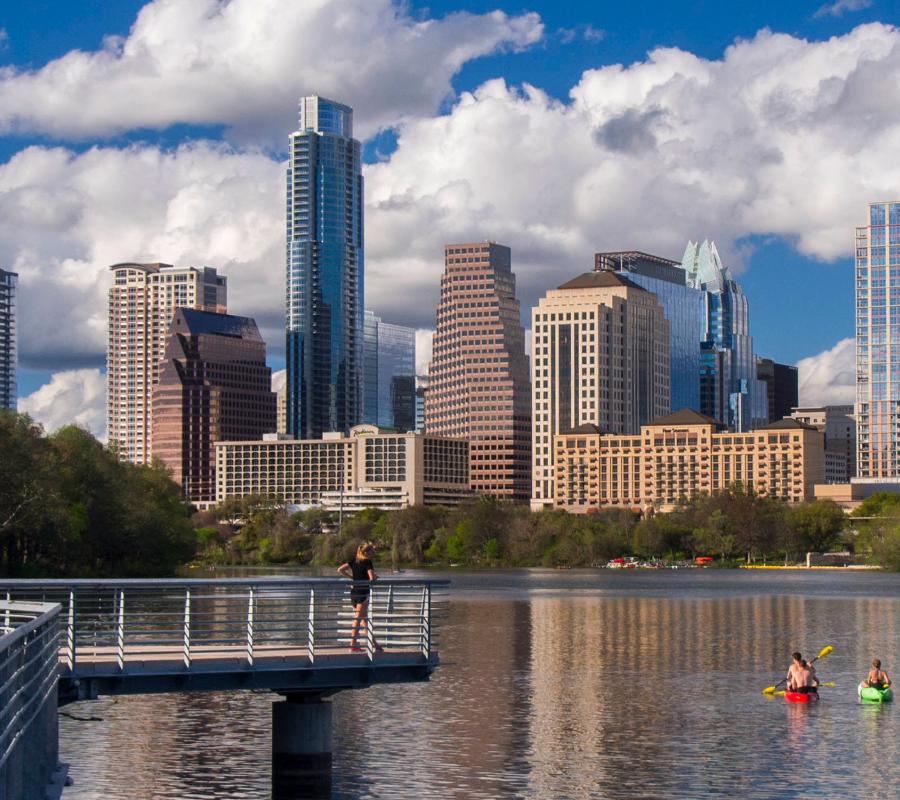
800,291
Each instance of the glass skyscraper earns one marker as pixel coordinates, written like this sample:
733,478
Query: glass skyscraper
324,286
8,339
390,368
878,343
729,388
683,306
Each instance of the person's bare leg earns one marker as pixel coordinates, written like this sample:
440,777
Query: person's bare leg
354,629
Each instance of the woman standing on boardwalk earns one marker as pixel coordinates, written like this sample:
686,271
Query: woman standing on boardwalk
360,568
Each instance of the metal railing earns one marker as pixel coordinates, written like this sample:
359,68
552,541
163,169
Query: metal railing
29,665
249,623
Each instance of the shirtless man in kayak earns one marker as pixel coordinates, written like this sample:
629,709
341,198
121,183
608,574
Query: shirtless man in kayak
800,677
877,677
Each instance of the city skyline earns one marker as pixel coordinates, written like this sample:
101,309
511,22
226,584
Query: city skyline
211,175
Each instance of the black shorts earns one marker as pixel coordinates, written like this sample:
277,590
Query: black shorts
358,596
806,690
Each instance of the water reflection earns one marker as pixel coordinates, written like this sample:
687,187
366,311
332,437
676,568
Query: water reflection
560,686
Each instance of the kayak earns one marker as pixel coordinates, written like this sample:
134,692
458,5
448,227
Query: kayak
875,695
801,697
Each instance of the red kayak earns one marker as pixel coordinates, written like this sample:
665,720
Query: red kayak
801,697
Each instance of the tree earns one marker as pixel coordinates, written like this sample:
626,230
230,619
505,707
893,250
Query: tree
816,526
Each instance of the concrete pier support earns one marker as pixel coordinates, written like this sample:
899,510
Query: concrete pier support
301,748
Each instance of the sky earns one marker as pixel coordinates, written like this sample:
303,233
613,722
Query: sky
157,131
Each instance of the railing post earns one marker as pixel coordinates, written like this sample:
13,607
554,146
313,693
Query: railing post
70,631
251,603
120,631
187,629
6,623
311,628
426,622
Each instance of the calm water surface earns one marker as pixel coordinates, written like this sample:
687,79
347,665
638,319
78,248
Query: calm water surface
579,684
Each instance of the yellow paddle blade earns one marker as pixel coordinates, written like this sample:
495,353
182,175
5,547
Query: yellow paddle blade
825,651
769,690
779,694
829,684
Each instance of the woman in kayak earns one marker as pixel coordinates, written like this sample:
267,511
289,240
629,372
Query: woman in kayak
877,677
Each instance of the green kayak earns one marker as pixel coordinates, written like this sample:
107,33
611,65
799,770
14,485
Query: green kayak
875,695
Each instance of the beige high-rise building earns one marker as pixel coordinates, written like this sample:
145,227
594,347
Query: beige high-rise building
599,355
478,379
839,426
142,302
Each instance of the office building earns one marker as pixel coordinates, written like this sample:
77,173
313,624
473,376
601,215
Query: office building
389,369
370,468
213,386
729,388
684,307
8,360
421,391
478,380
279,386
324,292
681,456
142,303
878,344
839,427
782,387
600,356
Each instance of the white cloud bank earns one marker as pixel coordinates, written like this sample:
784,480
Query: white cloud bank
243,64
829,378
75,396
781,137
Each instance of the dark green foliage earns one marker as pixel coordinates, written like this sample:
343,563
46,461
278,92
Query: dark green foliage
69,507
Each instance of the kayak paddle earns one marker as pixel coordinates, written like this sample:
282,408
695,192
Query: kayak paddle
825,651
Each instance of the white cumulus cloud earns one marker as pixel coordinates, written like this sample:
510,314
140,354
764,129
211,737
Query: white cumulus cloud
841,7
829,378
243,64
76,396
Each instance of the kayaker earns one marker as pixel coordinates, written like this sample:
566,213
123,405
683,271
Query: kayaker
800,677
877,677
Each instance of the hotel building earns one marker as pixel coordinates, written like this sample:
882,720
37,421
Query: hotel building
878,344
324,291
368,468
600,356
8,339
681,456
478,380
214,385
142,302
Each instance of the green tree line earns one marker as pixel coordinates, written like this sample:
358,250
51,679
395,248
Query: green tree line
70,507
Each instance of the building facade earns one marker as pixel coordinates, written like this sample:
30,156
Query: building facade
683,455
729,388
478,380
324,288
421,392
8,351
782,387
389,368
142,303
369,468
684,307
213,386
600,356
839,426
878,344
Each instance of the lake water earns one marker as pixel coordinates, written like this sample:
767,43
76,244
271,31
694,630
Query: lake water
561,684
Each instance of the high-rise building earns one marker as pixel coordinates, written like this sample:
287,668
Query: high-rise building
782,387
142,302
8,364
839,427
600,356
878,343
729,389
478,381
324,293
279,386
214,386
684,307
421,391
390,355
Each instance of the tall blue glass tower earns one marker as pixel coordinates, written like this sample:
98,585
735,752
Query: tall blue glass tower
324,286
